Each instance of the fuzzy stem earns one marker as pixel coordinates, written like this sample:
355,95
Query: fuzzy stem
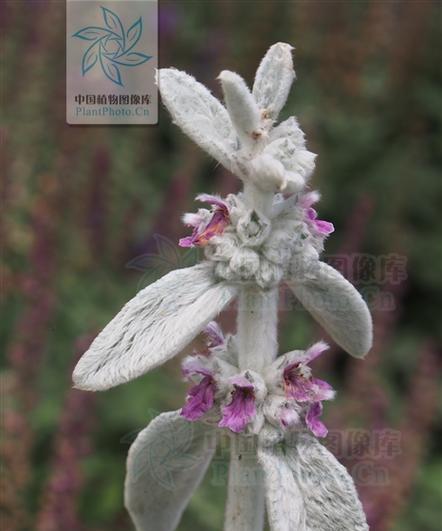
258,199
245,497
257,347
257,327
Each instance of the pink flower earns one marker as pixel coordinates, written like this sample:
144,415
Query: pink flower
240,411
298,381
204,230
319,226
201,396
312,420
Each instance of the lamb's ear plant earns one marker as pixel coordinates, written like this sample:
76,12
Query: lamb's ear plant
253,241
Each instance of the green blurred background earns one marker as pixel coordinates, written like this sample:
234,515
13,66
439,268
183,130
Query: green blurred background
90,214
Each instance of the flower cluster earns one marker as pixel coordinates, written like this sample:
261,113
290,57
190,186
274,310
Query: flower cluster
247,245
285,394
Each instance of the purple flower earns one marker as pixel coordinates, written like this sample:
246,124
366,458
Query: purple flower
302,387
319,226
214,335
201,396
203,229
298,381
240,411
199,399
312,420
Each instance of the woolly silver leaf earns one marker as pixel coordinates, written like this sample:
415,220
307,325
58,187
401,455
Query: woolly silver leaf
330,498
274,78
153,327
165,465
336,305
285,504
198,113
240,104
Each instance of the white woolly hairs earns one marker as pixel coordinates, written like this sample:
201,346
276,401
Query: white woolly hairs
240,104
268,173
274,78
153,327
199,114
156,495
337,306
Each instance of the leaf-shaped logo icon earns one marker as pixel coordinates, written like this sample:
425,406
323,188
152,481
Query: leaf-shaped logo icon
112,46
89,59
168,256
113,22
91,33
110,69
133,34
132,59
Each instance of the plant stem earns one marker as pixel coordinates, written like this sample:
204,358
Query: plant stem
245,497
257,199
257,347
257,327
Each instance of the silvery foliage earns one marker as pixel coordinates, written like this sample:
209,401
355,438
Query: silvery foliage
165,464
241,135
160,320
260,248
306,488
